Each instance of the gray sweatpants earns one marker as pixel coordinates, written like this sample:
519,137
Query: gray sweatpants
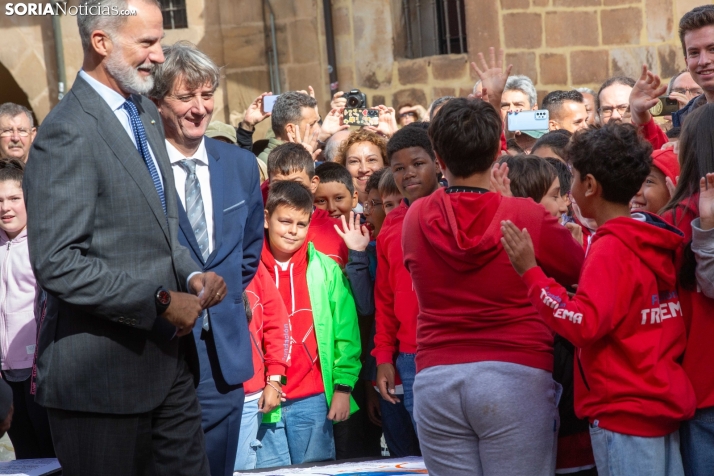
487,418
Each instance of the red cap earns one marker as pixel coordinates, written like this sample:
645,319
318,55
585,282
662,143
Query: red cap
666,160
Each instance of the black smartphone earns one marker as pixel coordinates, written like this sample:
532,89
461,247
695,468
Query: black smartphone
355,116
664,107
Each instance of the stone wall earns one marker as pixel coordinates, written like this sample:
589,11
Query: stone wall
558,43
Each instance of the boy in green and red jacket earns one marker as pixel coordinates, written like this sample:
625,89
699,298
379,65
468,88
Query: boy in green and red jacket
626,317
325,348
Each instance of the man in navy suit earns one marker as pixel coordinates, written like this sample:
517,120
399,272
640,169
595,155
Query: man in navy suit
221,223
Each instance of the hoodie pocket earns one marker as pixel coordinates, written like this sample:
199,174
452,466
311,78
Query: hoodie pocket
21,338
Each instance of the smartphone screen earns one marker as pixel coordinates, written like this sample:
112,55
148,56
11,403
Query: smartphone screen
269,102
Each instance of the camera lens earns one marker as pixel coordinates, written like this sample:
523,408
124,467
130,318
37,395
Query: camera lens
353,102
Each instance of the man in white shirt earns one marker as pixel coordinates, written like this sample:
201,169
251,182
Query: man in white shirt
221,223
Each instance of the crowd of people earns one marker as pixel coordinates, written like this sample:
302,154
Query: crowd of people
179,298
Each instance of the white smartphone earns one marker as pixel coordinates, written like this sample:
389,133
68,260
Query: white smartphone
528,120
269,102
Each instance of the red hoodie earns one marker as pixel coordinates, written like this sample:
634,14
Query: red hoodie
395,302
698,311
304,376
269,330
654,134
323,236
626,319
472,305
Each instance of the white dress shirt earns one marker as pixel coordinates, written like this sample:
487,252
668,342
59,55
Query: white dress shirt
204,180
115,102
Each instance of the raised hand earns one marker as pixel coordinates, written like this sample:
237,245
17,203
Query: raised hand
338,100
255,114
494,76
706,202
644,95
518,246
356,237
332,123
308,139
387,122
500,183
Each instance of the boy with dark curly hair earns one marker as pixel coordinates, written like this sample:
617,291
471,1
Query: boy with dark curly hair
626,317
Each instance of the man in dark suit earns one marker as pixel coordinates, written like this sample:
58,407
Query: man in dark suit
113,363
221,223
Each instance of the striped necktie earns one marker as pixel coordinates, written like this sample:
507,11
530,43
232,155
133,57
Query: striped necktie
194,206
140,136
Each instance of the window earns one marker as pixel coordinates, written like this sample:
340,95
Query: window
434,27
174,12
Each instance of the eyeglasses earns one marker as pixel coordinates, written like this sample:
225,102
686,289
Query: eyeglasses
370,204
691,92
622,109
407,114
10,132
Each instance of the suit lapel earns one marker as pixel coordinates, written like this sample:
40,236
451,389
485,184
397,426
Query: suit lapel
122,146
217,177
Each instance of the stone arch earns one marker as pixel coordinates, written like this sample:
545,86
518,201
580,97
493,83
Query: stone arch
10,91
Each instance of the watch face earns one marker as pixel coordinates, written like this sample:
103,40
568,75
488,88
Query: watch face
163,297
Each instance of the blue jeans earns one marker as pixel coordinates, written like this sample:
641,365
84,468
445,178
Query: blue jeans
247,441
624,455
303,434
406,366
697,436
398,429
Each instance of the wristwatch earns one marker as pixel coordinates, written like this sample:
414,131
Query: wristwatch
281,379
163,299
343,388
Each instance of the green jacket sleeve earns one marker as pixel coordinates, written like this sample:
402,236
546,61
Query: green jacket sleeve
347,348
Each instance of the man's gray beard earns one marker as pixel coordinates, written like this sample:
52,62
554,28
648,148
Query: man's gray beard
126,76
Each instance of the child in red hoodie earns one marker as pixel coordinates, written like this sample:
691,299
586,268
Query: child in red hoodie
484,396
626,317
293,162
324,361
411,159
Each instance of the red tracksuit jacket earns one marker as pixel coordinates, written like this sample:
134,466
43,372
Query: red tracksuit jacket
269,330
698,314
626,319
395,302
473,306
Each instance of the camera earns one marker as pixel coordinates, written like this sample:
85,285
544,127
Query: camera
356,98
664,107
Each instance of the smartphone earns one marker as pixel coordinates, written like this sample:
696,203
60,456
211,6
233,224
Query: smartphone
356,116
269,102
528,120
664,107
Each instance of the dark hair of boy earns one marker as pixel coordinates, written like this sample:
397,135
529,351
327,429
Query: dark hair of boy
565,176
408,136
554,100
616,156
695,19
11,169
531,176
387,185
696,154
512,145
289,158
290,194
373,181
288,109
334,172
466,134
674,133
556,140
